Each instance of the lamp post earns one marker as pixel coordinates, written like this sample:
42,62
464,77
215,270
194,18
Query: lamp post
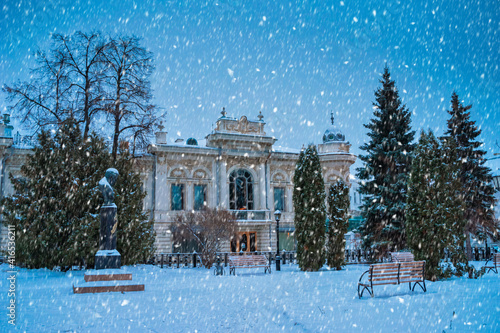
277,216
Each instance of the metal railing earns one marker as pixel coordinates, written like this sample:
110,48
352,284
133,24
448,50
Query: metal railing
192,260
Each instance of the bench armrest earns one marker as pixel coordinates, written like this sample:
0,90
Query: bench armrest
361,277
487,261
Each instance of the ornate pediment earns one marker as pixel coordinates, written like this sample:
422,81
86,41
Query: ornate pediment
241,126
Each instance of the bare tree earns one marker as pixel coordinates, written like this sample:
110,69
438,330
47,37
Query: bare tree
85,74
128,90
46,99
209,228
84,61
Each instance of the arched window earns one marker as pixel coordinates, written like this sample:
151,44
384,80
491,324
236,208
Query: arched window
240,190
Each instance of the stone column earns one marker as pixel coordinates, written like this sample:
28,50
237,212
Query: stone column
224,191
212,187
189,196
270,196
162,195
289,199
262,186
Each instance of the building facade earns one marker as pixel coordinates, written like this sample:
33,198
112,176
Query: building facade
235,167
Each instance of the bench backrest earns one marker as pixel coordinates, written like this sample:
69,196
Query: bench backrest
411,271
397,272
248,260
402,256
496,259
384,273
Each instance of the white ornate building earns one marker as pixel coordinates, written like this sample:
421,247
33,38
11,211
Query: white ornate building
236,167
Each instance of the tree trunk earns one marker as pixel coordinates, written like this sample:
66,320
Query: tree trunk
86,108
468,247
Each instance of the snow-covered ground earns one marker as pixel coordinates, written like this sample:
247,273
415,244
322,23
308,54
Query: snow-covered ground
194,300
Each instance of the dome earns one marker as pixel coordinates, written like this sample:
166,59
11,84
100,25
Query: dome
192,142
333,134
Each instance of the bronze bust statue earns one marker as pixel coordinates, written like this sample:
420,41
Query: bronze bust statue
106,186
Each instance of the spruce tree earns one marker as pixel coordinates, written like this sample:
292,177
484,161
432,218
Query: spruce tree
309,205
53,209
136,234
434,218
385,172
338,210
475,177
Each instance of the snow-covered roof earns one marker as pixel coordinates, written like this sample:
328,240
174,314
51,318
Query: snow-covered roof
281,149
333,134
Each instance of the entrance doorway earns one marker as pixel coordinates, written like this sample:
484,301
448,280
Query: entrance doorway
245,242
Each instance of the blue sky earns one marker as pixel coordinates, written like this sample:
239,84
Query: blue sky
296,61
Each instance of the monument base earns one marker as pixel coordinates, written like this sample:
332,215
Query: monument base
105,259
106,280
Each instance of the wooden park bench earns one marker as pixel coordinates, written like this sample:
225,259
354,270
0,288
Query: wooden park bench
248,261
402,256
393,273
495,263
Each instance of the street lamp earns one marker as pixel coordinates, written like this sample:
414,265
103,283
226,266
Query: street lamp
277,216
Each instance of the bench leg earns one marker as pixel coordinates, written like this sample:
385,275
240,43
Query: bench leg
489,269
360,293
424,288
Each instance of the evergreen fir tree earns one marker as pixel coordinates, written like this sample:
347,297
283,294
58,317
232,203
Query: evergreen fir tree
434,218
56,199
475,177
385,172
55,209
338,209
309,205
136,234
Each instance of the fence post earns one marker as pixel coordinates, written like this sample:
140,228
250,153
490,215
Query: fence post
161,261
194,260
225,259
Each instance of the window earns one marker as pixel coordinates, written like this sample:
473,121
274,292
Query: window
240,190
177,196
200,197
287,240
245,241
279,198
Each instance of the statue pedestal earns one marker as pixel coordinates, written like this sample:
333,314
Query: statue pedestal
106,280
105,259
108,256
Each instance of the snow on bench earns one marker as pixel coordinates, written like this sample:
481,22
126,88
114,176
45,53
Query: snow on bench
402,256
248,261
393,273
495,263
